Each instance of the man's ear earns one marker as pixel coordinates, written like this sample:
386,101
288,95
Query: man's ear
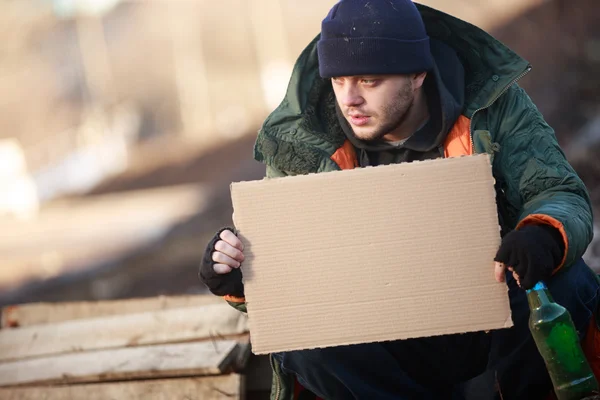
418,79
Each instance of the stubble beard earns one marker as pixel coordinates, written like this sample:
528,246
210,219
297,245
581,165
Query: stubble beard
392,116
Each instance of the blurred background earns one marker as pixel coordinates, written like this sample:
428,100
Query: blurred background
123,122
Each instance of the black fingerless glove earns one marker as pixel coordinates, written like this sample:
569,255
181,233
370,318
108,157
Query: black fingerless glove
220,284
533,252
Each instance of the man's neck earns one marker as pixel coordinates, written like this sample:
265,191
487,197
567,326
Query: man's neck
417,115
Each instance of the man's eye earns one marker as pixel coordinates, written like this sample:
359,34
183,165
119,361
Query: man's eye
369,81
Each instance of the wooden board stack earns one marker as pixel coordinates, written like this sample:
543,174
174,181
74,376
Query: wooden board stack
184,347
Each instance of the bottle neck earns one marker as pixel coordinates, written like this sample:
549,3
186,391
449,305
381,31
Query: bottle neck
538,296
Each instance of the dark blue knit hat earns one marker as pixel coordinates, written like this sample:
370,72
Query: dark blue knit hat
364,37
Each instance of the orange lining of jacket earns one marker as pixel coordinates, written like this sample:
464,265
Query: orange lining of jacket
234,299
458,142
345,156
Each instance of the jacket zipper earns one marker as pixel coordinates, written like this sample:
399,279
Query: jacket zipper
276,373
493,101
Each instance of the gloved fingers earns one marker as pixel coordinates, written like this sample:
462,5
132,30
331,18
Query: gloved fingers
530,275
224,247
520,277
221,258
222,269
503,253
231,238
506,253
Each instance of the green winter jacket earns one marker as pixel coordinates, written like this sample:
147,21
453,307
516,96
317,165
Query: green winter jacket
534,181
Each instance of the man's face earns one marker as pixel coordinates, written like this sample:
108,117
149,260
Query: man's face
374,106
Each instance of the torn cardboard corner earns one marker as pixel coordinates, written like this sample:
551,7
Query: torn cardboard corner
371,254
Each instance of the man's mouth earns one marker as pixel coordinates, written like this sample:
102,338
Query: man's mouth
358,119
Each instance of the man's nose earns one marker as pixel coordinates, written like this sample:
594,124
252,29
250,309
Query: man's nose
351,97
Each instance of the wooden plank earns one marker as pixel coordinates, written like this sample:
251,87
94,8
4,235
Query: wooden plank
167,326
225,387
160,361
45,313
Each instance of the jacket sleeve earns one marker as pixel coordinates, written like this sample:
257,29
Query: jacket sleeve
239,303
538,181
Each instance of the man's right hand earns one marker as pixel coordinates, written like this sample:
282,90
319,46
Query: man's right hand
220,268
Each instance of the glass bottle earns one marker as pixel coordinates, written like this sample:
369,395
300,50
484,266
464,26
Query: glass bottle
558,342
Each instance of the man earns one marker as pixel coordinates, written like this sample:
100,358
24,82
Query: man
388,81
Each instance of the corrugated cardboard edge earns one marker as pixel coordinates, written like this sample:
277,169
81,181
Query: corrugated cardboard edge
345,171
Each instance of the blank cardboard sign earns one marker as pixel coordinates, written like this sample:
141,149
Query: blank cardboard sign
370,254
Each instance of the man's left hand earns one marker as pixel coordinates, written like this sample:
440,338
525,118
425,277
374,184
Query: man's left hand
530,253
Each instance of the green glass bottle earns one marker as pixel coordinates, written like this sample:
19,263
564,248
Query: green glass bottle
557,341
